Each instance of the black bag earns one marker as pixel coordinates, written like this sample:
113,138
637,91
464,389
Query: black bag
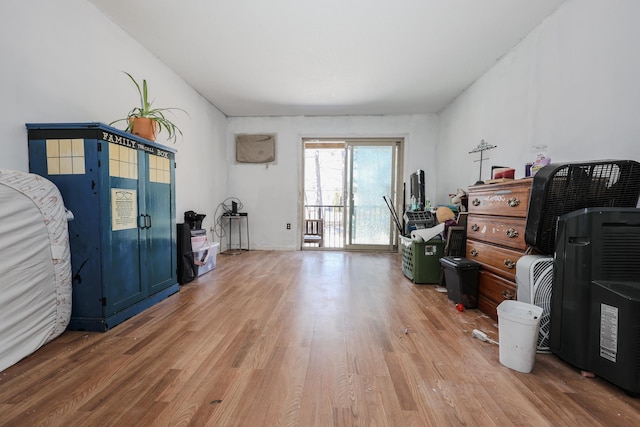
186,265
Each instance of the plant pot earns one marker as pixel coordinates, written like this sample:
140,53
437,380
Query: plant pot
144,127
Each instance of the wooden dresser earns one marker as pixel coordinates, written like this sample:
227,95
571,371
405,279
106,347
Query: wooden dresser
495,238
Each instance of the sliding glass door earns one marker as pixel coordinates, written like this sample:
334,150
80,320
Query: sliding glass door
371,174
345,182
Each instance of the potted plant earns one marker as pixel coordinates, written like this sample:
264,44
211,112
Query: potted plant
146,121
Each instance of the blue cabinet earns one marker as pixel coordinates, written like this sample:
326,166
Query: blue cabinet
121,191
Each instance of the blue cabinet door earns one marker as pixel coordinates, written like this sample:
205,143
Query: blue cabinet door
121,231
159,257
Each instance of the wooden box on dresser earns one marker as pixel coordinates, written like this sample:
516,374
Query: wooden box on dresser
495,238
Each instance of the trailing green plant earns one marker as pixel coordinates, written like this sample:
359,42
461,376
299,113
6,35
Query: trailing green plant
145,110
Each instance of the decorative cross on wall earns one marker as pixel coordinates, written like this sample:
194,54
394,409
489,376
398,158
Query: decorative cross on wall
482,147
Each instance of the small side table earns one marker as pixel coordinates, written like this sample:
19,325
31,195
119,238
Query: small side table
238,218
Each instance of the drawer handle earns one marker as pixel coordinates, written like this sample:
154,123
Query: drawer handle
473,252
512,233
513,202
476,202
507,295
509,264
475,227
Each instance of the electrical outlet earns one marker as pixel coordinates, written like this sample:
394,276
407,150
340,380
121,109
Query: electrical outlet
288,226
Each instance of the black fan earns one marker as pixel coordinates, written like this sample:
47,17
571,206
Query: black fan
558,189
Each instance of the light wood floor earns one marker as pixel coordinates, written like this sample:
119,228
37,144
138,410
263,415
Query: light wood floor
300,339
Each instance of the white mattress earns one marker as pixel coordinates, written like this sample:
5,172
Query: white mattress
35,265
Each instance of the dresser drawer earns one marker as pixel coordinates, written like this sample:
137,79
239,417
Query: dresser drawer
498,260
506,199
488,307
495,289
501,230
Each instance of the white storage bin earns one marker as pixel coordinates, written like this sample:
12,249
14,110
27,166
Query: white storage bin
205,259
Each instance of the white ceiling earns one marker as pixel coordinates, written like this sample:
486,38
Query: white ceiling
328,57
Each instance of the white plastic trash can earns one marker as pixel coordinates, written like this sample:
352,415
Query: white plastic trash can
518,325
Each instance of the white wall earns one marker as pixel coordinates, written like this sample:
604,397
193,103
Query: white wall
62,62
573,84
272,194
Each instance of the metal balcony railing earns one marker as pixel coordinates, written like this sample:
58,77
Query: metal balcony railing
333,216
370,221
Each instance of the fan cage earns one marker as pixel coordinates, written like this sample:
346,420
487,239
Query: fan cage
541,283
542,290
560,189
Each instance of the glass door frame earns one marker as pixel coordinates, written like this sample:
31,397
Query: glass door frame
396,197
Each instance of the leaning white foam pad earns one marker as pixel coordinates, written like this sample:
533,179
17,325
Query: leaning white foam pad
35,265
